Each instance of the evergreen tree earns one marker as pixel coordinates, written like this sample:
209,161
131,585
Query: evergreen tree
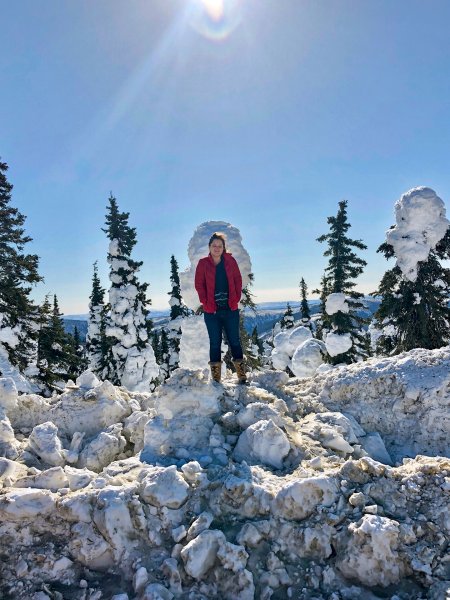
178,311
164,354
305,313
54,347
154,340
19,315
96,342
343,267
415,314
248,303
77,358
287,321
130,358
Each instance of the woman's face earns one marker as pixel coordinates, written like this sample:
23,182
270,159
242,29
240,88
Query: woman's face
216,248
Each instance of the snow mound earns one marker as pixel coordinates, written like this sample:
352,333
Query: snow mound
198,248
282,488
420,224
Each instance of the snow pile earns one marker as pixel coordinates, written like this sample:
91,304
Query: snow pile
198,248
9,370
285,488
420,225
336,302
194,343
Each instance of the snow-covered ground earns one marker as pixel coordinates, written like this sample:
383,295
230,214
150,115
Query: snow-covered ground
329,487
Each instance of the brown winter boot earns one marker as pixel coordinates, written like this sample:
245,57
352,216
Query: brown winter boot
241,370
216,370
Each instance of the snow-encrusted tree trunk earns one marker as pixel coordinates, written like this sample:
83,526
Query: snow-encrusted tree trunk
342,326
130,358
178,310
414,310
96,347
19,315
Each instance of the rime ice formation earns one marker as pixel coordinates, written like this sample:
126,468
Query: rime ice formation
287,344
338,343
332,487
198,248
307,358
336,302
420,224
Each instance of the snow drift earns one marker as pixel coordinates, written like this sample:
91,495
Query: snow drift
325,487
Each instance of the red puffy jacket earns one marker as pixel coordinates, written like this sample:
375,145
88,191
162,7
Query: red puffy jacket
205,282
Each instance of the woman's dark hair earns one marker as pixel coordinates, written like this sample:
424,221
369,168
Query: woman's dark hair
217,235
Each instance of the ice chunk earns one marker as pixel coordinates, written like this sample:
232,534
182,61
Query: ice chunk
263,442
199,555
164,487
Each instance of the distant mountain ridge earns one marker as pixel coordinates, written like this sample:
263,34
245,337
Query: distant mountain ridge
268,313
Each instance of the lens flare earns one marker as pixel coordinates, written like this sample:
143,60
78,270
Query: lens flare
215,19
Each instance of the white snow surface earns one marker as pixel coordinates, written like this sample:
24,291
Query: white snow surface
198,248
332,486
336,302
420,224
286,344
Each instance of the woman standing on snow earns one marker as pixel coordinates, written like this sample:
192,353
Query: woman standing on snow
218,282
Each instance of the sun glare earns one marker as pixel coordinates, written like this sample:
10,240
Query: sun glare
215,19
215,8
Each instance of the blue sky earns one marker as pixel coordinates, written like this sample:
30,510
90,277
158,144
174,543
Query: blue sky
295,106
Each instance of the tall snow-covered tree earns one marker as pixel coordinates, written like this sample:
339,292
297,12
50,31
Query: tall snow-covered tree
19,315
414,310
130,358
305,313
178,310
287,321
342,327
96,343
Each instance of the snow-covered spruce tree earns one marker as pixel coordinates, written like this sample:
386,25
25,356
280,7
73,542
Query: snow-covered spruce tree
130,359
414,311
248,304
287,321
178,310
164,355
305,313
19,315
342,327
54,347
96,343
322,323
77,356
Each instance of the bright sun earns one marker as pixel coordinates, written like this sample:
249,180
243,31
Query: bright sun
215,8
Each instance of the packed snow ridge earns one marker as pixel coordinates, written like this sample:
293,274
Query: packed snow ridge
330,487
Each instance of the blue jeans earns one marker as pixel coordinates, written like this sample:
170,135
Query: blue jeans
223,319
